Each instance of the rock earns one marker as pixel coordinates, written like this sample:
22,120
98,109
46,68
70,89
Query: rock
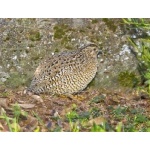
3,76
24,42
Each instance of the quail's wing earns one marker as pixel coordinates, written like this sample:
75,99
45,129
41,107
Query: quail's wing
58,66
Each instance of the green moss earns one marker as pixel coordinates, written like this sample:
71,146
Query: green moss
34,35
94,21
4,94
31,45
89,27
56,50
94,38
82,31
69,47
60,31
92,83
59,34
35,56
19,21
65,40
6,38
110,24
16,80
128,79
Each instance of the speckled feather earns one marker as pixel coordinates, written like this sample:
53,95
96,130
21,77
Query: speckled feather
66,72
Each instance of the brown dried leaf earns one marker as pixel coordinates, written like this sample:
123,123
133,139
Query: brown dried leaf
1,127
38,98
3,102
4,128
26,105
98,121
30,124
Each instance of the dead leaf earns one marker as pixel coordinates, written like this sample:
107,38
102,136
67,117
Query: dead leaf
30,124
38,98
98,121
4,128
1,127
77,97
26,105
3,102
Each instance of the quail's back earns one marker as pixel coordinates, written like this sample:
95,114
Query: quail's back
66,72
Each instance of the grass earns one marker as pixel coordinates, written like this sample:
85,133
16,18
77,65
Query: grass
137,23
4,94
13,122
119,112
98,128
141,49
127,121
16,79
121,119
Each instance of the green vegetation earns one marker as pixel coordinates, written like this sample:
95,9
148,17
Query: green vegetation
137,23
128,79
121,119
98,128
13,122
141,45
60,31
16,80
110,24
127,121
4,94
119,112
63,33
94,21
34,35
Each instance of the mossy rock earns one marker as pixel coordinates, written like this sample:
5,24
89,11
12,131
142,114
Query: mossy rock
60,31
34,35
94,21
65,40
110,24
128,79
16,80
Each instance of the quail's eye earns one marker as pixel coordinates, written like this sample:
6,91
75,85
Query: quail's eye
94,49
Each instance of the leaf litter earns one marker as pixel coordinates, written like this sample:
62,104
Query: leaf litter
85,111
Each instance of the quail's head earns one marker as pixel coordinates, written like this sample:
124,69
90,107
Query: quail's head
91,50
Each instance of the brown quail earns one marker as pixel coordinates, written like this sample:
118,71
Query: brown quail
66,72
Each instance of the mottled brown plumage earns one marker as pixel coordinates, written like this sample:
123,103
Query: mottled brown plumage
66,72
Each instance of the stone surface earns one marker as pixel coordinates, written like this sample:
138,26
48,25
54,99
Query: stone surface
25,42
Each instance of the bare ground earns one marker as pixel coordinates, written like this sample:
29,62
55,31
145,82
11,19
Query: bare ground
76,113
